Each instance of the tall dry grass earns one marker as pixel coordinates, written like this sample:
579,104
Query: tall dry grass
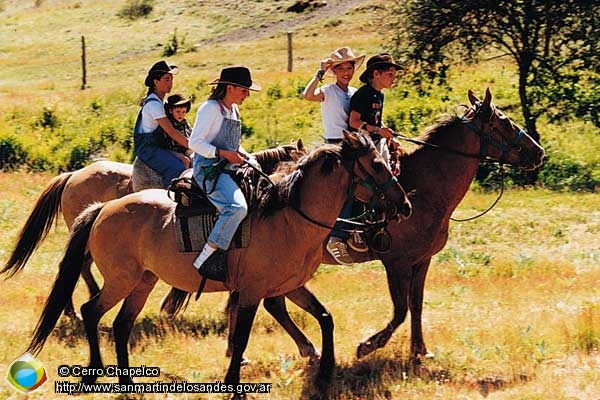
511,312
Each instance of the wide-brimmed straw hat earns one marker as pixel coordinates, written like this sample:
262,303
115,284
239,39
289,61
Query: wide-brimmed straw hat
178,100
158,69
379,61
238,76
342,55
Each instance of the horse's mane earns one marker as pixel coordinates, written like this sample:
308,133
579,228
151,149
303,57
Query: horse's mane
287,190
444,122
269,158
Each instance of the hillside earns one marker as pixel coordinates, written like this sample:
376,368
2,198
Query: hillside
58,126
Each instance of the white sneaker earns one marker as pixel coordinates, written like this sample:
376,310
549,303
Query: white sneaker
357,243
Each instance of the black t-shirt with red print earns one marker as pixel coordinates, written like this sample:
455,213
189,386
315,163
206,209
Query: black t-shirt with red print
368,102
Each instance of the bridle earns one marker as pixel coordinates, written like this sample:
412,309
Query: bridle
486,141
378,194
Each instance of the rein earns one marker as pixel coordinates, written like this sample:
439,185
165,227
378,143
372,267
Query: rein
490,207
373,186
485,141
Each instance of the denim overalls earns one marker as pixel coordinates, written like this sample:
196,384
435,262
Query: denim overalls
150,147
226,196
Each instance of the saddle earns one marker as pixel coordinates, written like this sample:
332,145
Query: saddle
195,215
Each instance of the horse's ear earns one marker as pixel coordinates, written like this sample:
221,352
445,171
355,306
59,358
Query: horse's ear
472,98
352,138
300,145
488,97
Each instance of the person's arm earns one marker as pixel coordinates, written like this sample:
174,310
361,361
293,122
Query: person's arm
173,133
357,123
311,91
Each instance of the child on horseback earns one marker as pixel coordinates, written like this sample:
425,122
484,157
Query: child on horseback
366,105
335,106
152,121
215,137
177,107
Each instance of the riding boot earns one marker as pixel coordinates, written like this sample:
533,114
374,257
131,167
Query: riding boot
215,266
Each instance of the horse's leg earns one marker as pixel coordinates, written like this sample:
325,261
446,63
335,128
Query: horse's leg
307,301
277,308
241,333
415,304
122,325
399,281
93,310
231,309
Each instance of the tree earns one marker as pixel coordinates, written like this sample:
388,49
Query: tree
554,43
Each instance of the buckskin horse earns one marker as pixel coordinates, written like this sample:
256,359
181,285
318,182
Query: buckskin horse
293,210
438,174
71,192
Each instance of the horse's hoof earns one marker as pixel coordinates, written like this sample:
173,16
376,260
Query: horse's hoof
363,349
73,315
245,361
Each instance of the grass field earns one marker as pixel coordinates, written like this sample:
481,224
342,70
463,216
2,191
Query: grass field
511,312
512,303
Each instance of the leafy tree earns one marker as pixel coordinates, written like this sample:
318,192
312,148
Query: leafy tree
554,43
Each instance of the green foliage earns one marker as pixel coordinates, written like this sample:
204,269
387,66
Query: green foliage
554,45
135,9
12,153
48,119
173,44
562,172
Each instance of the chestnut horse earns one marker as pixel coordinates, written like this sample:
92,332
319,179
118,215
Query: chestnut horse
438,175
71,192
294,210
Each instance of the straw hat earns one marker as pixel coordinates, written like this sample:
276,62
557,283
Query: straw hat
342,55
238,76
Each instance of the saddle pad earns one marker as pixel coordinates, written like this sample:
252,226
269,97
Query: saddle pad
193,228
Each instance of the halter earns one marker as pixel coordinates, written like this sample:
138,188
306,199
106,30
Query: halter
487,140
377,190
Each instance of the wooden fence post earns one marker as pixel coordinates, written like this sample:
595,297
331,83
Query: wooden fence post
290,58
83,77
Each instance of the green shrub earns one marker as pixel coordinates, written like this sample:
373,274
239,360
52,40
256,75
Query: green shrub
12,153
173,44
48,119
561,172
135,9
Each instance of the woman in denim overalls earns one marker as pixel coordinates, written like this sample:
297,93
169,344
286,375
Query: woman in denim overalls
216,136
148,141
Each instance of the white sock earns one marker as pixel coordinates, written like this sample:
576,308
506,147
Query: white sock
204,254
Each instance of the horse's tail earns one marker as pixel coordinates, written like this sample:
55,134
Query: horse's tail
175,301
68,274
38,225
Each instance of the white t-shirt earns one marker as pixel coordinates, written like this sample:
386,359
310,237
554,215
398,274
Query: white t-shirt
334,109
152,111
208,124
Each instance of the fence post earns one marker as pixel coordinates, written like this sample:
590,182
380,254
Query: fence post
290,58
83,77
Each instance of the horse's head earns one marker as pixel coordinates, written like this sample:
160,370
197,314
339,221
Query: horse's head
501,139
295,151
373,181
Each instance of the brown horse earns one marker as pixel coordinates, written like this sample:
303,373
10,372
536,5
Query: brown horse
438,174
294,210
71,192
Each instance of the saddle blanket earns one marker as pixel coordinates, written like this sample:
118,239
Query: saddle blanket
193,226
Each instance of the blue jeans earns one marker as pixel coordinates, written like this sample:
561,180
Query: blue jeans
228,198
344,214
159,159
